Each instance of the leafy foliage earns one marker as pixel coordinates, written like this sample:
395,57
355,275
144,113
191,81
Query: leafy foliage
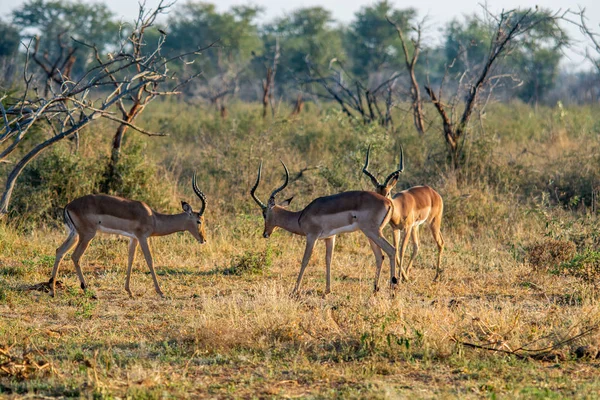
585,266
372,43
56,21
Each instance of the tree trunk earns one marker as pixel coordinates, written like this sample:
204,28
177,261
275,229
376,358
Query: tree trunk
298,106
112,180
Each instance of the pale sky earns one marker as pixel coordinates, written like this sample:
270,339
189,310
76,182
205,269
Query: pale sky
439,12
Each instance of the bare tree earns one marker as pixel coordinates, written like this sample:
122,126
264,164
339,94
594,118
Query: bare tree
592,36
137,73
356,99
411,62
508,27
136,44
268,83
221,87
57,70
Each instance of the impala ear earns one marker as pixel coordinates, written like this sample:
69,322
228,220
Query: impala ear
186,207
286,203
392,182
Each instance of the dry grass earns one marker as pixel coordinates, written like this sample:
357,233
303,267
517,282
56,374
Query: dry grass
228,327
220,335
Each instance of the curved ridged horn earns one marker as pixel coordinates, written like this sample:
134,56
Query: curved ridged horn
279,189
373,179
199,194
256,199
400,167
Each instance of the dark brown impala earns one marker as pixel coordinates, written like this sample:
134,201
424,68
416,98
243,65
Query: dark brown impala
412,207
327,216
89,214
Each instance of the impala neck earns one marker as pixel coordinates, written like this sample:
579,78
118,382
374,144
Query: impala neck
165,224
287,220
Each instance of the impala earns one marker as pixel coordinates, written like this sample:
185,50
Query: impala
87,215
412,207
327,216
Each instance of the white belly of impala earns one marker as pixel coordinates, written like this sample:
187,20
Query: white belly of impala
104,229
347,228
417,223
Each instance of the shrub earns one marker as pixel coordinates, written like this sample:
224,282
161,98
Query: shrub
585,266
59,176
251,263
549,254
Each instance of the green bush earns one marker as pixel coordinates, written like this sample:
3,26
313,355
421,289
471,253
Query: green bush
60,175
585,266
549,254
251,263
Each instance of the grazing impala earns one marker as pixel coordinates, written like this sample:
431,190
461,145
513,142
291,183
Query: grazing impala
412,207
89,214
327,216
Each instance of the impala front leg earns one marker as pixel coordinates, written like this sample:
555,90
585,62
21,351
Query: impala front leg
329,245
133,242
148,257
407,233
310,245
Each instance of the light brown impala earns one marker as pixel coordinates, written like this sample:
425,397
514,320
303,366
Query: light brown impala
412,207
327,216
87,215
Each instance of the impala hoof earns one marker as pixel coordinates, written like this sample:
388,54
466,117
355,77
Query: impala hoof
394,280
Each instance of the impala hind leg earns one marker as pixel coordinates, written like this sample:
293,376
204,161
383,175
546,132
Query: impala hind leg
60,253
310,245
329,245
148,256
378,262
390,251
439,239
133,242
415,251
82,244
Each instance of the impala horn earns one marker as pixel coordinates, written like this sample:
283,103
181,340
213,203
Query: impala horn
280,188
400,167
373,179
199,194
256,199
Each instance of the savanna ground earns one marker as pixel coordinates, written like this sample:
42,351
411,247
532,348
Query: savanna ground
520,266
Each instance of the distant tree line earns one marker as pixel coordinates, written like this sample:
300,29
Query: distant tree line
297,49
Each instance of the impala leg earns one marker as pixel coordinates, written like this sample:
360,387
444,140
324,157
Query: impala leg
396,236
407,233
378,263
329,244
148,256
82,244
389,250
60,253
133,242
439,239
310,245
415,251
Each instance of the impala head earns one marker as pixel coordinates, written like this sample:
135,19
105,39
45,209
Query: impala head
195,223
270,208
385,189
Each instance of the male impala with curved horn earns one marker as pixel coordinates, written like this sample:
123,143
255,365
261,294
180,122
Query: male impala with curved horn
412,207
89,214
327,216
